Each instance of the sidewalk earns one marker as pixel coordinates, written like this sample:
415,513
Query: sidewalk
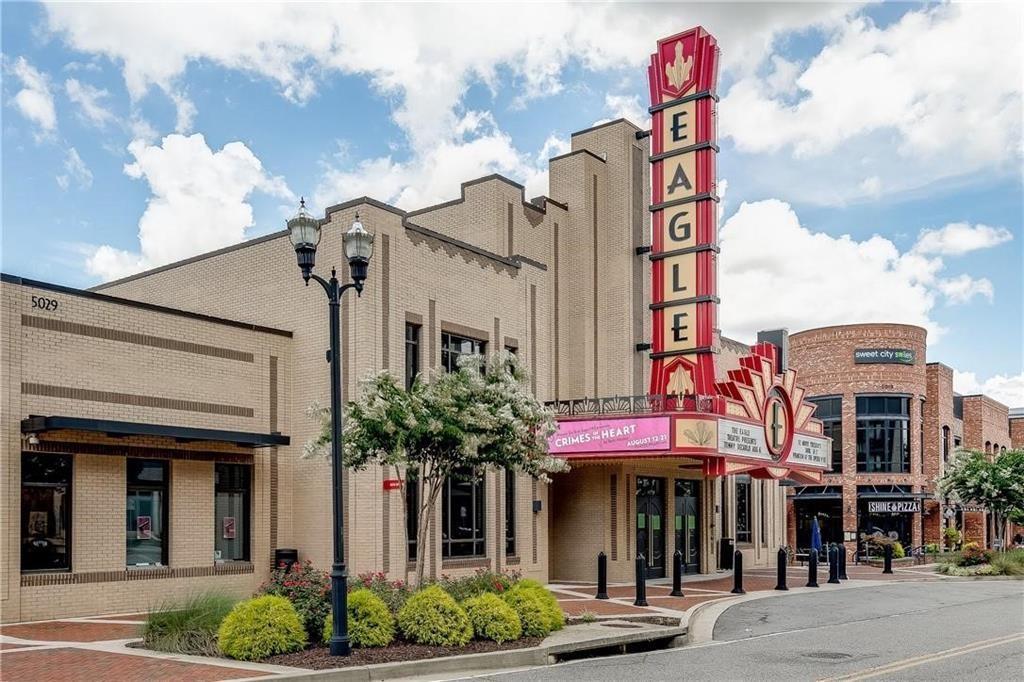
95,648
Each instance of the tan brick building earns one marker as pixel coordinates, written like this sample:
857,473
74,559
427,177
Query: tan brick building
895,423
154,426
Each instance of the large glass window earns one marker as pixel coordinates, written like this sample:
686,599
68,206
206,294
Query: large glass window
412,353
232,488
453,347
147,513
462,516
830,412
764,512
883,434
45,512
510,512
412,511
743,527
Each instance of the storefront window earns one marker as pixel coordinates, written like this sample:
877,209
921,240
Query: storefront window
231,512
462,516
453,347
510,512
830,412
743,527
883,438
147,513
412,353
45,512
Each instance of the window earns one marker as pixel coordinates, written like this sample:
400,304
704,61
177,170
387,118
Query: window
725,506
462,516
830,412
945,444
453,347
412,511
510,512
743,529
764,512
956,442
232,487
512,349
147,513
883,439
412,353
45,512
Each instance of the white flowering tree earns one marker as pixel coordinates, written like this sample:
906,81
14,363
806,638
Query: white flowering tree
482,415
996,482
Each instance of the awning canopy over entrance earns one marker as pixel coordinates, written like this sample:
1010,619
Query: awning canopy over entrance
183,434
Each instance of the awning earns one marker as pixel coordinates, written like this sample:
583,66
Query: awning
892,496
182,434
827,492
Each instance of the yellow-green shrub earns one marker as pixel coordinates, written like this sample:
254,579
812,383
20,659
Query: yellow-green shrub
537,609
431,616
492,618
261,627
370,622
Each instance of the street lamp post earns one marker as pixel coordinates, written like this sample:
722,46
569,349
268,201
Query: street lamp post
304,232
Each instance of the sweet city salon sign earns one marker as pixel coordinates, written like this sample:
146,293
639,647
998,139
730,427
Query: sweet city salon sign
891,356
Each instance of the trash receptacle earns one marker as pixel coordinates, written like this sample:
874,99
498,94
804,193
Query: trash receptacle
726,550
285,558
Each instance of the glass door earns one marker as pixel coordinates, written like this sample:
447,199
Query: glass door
650,526
687,524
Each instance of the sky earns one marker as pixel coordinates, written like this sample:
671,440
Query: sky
870,165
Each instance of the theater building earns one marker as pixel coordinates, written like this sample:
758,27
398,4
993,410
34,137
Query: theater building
154,426
895,422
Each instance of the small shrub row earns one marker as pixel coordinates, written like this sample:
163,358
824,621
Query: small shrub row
309,591
370,622
973,555
261,627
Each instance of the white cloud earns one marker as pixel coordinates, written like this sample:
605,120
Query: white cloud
75,171
198,203
89,100
1009,390
963,288
903,99
34,100
627,107
956,239
775,272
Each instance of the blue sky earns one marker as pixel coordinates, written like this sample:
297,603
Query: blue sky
870,172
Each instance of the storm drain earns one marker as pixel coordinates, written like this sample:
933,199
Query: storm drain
642,646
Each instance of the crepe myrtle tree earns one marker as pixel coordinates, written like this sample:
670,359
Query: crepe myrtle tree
482,415
997,483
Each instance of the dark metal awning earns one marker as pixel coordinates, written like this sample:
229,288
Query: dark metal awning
182,434
892,496
818,492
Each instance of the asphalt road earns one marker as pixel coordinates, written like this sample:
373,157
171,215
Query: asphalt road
969,630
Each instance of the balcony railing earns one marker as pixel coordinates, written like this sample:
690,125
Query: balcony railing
633,404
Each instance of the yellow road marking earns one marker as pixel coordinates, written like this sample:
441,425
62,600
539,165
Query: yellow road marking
896,666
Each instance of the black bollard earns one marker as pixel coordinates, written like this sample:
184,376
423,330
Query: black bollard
677,574
842,562
602,576
783,558
833,565
812,568
737,573
888,559
641,581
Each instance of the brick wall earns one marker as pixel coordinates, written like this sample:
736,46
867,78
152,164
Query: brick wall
1017,433
986,424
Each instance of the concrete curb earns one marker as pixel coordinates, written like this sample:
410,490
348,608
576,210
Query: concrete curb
541,655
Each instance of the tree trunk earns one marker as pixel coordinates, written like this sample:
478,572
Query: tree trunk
427,505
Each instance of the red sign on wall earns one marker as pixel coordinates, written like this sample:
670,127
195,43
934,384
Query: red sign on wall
683,78
392,484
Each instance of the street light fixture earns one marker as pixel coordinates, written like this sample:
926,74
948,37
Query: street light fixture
304,232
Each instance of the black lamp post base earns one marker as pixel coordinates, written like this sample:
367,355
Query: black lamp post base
340,647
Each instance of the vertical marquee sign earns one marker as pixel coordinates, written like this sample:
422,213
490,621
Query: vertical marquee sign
683,78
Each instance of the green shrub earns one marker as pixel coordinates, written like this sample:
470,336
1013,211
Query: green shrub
973,555
897,550
1008,563
261,627
492,618
931,548
394,593
482,581
189,626
370,622
537,608
431,616
309,591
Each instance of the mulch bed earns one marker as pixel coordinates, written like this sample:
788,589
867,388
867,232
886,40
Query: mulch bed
319,658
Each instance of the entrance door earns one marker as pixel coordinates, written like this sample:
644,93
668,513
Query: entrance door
650,526
688,523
